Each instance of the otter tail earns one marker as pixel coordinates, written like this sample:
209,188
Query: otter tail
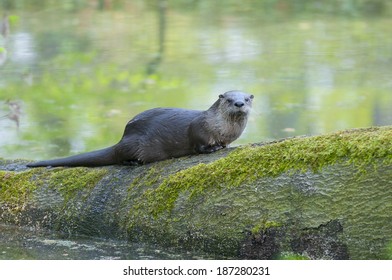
91,159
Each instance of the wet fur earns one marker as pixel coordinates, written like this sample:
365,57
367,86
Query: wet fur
163,133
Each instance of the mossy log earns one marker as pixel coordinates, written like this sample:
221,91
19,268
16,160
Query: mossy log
320,197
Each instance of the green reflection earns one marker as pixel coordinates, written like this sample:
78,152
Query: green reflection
81,69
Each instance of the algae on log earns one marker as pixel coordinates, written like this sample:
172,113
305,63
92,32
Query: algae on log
321,197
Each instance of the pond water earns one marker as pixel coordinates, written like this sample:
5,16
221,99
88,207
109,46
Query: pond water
73,73
29,244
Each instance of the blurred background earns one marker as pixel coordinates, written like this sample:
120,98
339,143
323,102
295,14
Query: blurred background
73,72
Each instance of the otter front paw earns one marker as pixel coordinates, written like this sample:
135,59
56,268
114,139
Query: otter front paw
207,149
132,162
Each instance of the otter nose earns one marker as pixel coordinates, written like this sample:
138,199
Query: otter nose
239,104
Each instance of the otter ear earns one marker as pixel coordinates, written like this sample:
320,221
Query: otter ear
221,96
251,97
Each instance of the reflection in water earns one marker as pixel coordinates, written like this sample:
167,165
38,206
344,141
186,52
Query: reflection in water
4,31
4,26
156,61
14,112
73,64
234,46
82,69
22,47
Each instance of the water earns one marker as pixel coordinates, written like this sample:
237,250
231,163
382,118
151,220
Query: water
79,72
29,244
74,73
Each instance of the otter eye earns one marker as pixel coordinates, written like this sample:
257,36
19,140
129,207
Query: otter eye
247,99
229,100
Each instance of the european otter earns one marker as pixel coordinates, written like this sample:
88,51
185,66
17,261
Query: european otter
163,133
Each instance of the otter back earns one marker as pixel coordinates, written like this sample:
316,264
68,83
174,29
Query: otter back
163,133
157,134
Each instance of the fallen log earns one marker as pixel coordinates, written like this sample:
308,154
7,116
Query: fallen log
320,197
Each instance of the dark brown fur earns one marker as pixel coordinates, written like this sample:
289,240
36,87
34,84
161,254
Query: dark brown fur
163,133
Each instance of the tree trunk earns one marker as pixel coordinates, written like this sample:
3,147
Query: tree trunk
321,197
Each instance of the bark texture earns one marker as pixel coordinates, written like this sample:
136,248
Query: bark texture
321,197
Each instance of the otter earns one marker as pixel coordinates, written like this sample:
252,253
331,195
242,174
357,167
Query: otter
163,133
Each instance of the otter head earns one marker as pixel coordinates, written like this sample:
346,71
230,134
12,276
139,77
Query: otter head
235,103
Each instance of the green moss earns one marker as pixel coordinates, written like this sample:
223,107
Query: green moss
388,251
292,256
16,188
74,185
359,147
19,189
152,176
264,225
71,181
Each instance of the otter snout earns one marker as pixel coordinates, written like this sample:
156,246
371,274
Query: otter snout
235,103
239,104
